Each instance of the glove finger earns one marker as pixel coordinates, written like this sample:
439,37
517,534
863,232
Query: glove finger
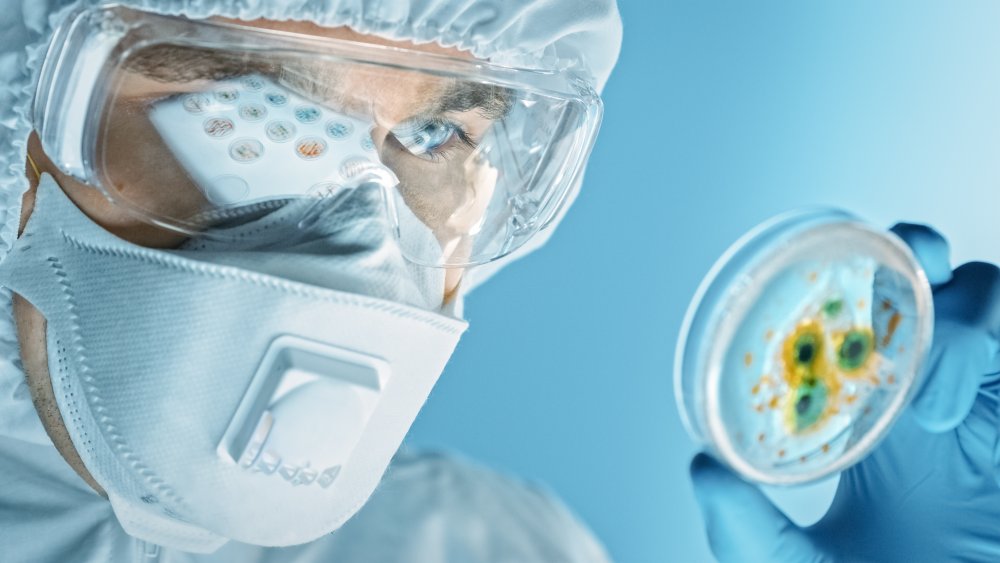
967,314
958,360
930,248
741,523
972,297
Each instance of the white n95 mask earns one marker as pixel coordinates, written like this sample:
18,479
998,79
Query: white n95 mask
214,401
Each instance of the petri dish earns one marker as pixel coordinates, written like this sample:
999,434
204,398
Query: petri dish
802,345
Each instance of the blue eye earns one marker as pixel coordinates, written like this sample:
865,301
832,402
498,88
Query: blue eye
424,137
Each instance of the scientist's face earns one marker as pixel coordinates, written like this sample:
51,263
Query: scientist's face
132,145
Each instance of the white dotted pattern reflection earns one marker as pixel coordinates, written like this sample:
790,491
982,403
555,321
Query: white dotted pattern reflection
281,140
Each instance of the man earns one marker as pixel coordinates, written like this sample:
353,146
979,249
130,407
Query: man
239,262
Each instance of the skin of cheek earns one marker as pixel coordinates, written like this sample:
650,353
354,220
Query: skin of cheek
95,205
34,355
31,336
136,149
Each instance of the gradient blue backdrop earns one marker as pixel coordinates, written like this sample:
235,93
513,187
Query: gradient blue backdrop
719,115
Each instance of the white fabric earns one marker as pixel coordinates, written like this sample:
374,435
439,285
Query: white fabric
154,355
428,509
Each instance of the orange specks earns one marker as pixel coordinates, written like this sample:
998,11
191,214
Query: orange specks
890,330
769,335
774,402
781,453
826,448
862,304
760,437
850,399
747,359
759,407
874,380
891,379
755,389
901,349
813,276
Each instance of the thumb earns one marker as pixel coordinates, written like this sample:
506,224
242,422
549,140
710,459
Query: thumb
742,524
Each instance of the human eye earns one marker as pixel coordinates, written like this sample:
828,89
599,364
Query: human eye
429,138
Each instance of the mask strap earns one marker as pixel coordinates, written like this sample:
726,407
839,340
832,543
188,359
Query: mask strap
34,167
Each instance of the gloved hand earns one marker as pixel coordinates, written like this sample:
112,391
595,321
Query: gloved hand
929,491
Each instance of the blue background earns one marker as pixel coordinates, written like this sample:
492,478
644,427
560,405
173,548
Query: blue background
719,115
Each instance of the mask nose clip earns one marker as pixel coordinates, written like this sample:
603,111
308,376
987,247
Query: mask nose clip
304,411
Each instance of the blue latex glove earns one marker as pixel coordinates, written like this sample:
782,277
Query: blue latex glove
929,491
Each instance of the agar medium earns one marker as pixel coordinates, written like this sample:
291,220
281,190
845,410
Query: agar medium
802,345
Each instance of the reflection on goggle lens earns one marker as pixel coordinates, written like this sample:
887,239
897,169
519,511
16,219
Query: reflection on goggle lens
480,156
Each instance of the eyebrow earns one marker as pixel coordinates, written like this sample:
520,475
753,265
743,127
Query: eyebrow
176,63
491,101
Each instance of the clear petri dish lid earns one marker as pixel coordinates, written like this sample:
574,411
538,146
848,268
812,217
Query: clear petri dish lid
802,345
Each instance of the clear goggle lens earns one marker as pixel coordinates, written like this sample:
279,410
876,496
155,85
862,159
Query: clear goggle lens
475,159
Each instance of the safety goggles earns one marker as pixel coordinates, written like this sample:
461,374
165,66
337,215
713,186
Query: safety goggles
188,123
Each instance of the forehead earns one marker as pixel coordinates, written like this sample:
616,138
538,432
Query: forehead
346,34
